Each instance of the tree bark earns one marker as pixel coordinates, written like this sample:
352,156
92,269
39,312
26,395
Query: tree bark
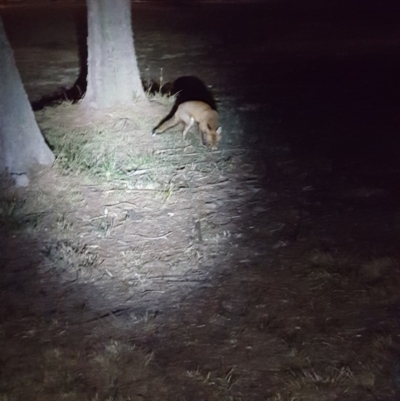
113,73
21,142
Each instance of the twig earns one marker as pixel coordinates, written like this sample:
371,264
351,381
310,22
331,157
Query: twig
329,289
212,185
140,172
197,226
154,238
119,203
168,277
114,312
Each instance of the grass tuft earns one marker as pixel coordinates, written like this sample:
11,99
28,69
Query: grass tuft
115,146
68,255
376,269
310,378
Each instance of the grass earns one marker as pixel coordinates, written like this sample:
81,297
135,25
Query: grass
307,377
71,256
96,153
123,170
376,269
109,369
12,209
107,150
22,213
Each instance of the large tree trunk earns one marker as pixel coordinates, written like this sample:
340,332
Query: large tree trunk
113,73
21,142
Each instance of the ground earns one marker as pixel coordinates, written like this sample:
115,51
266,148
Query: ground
151,268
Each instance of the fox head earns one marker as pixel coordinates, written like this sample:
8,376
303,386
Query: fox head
211,130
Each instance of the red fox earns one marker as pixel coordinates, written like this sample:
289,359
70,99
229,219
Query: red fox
187,113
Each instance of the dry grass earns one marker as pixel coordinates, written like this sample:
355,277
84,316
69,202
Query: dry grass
377,268
71,256
105,149
149,268
134,216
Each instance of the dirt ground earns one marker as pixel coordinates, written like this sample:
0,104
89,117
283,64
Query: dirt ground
266,270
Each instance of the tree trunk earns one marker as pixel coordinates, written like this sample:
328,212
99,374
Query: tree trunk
21,142
113,73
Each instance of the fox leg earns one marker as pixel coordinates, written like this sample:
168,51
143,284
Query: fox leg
203,138
166,125
188,125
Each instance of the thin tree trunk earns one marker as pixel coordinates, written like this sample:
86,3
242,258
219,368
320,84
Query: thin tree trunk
113,73
21,142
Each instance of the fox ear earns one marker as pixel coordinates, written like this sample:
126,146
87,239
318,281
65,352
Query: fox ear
219,131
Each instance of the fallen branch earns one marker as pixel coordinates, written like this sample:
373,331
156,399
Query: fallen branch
164,236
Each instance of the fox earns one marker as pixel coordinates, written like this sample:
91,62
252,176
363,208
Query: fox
189,112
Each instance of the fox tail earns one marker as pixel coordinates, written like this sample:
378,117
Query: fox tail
166,118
